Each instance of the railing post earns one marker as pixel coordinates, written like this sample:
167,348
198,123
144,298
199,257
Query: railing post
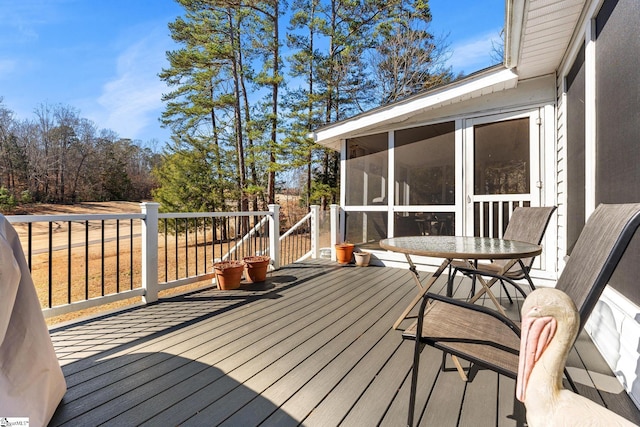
315,231
335,229
274,235
150,251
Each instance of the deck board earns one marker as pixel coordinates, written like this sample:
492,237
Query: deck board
313,346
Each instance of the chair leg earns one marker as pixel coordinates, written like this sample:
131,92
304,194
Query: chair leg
450,281
473,285
526,275
414,382
506,290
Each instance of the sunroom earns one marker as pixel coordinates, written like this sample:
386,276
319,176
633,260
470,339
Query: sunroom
453,161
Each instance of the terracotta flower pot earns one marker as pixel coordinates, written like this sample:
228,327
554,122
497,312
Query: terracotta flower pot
344,252
362,258
255,268
228,274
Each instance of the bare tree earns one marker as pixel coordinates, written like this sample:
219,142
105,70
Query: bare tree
410,59
497,48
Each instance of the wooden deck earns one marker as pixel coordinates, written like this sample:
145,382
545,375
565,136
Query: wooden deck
313,346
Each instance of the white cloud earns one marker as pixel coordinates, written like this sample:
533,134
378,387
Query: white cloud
131,100
21,20
474,54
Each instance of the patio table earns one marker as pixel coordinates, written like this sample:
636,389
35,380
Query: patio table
466,248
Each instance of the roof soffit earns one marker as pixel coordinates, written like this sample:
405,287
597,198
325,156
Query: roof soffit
497,80
538,33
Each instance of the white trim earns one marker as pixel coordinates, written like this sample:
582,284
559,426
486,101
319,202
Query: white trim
459,177
514,19
549,196
391,159
452,93
590,119
615,330
92,302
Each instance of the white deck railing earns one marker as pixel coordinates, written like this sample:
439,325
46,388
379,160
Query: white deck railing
86,260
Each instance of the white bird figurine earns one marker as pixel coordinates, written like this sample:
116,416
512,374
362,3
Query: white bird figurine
550,324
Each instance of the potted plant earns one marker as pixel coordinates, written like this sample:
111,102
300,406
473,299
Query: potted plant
362,258
344,252
255,268
228,274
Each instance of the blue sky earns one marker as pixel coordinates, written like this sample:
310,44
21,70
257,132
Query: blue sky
102,57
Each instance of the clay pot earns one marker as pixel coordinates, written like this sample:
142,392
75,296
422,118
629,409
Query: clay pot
362,258
255,268
228,274
344,252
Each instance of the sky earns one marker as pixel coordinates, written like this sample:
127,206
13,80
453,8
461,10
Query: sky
102,57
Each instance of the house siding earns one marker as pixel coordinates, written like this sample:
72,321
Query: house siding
614,324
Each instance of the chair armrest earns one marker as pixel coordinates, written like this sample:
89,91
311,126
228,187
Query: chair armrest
473,272
474,307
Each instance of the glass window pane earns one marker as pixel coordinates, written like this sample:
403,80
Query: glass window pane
425,165
501,157
367,170
366,227
424,224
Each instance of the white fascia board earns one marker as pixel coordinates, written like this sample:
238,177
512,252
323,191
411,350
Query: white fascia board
514,22
502,79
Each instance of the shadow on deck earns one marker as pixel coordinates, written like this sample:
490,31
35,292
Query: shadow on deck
312,346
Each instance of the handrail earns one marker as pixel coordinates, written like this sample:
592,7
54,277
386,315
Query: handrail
246,237
295,226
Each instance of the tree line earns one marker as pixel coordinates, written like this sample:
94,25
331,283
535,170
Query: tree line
61,157
248,83
252,79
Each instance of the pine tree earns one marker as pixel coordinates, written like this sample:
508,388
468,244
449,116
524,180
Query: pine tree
202,99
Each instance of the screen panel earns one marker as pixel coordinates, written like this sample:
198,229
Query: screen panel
618,122
575,83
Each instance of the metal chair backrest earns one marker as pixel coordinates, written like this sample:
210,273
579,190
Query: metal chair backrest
528,224
597,252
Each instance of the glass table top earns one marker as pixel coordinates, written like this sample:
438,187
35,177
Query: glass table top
461,247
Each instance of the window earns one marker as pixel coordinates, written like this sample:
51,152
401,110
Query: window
425,165
501,157
366,227
367,170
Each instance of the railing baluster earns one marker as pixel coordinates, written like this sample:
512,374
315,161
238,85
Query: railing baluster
166,251
175,231
69,263
102,256
30,244
50,264
195,223
204,247
131,270
86,259
117,255
186,247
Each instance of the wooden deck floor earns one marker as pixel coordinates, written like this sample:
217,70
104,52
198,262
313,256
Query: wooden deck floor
313,346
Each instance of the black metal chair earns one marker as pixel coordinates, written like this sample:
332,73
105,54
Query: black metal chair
527,224
486,338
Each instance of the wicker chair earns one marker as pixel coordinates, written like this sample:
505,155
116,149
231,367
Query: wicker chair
490,340
527,224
